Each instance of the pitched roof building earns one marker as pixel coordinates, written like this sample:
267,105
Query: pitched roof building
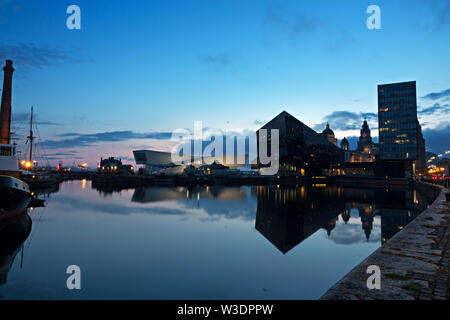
301,149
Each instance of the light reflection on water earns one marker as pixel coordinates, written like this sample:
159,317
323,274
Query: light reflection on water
201,243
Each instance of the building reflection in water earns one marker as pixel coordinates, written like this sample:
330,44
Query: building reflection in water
288,216
13,233
158,194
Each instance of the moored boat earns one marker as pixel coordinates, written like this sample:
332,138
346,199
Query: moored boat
14,192
13,233
14,196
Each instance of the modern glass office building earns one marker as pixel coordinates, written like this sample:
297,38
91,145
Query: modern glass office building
398,125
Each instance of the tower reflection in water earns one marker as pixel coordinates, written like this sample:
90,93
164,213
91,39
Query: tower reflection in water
288,216
13,233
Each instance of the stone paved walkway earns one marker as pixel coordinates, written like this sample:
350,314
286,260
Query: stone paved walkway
414,264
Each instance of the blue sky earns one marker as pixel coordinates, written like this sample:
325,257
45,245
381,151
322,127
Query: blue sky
138,69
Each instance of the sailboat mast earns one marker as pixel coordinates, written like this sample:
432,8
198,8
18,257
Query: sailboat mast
31,136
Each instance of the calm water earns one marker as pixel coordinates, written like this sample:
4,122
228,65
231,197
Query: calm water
202,243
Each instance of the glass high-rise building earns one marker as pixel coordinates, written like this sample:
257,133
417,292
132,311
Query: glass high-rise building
397,117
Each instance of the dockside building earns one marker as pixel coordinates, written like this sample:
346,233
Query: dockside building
302,151
399,130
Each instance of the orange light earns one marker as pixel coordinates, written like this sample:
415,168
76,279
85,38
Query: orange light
28,164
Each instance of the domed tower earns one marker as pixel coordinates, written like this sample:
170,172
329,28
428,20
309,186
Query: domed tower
330,135
365,143
345,145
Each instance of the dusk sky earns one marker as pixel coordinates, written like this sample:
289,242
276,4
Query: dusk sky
137,70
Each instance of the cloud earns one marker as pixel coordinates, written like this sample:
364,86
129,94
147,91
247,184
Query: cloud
436,108
207,210
64,154
341,42
7,9
25,117
441,12
370,116
294,25
437,139
218,60
56,158
74,140
346,120
352,233
31,56
438,95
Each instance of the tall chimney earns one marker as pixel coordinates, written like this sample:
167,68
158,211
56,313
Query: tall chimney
5,113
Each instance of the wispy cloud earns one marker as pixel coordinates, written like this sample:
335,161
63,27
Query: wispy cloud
437,139
346,120
437,108
218,60
25,117
437,95
441,12
342,41
31,56
295,25
74,140
62,154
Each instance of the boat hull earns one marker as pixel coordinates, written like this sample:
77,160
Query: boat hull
13,233
14,196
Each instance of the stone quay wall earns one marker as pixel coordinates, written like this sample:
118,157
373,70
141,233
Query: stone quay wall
414,264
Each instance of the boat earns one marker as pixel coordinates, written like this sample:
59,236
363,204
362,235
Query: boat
13,233
15,193
36,179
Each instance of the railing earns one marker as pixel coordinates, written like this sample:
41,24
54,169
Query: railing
443,182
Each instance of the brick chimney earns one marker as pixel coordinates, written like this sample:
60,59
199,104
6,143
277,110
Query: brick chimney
5,113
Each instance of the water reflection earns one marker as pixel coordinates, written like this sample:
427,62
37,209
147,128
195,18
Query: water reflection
13,233
147,195
288,216
216,242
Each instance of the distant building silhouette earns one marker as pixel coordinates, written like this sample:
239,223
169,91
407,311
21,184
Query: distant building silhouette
330,135
113,165
421,156
302,151
365,143
345,145
366,150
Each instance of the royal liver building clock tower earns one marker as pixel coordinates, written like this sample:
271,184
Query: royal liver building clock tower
365,143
